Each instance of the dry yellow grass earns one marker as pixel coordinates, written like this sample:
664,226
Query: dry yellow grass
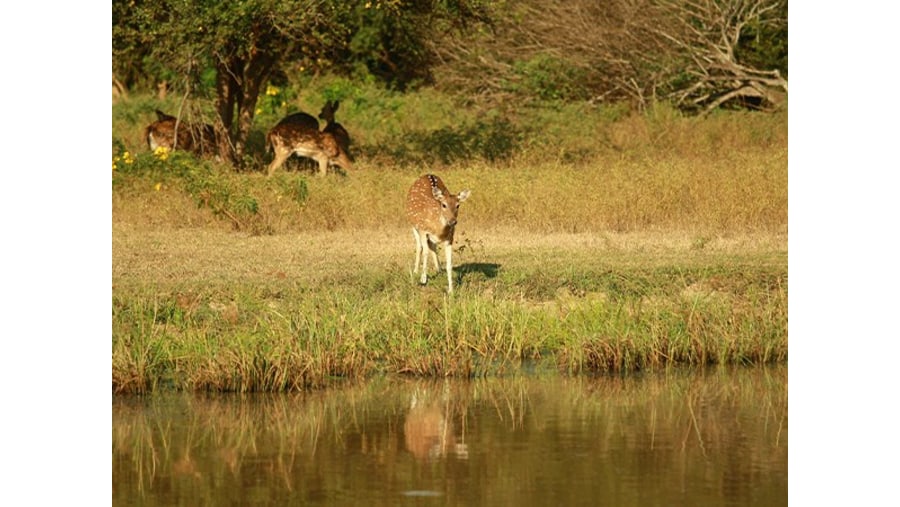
195,255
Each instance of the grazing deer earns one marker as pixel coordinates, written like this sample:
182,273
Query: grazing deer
299,133
432,211
168,132
335,128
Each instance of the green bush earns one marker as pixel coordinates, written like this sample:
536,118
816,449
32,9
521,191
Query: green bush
549,78
208,185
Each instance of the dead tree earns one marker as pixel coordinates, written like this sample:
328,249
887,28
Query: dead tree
708,33
638,51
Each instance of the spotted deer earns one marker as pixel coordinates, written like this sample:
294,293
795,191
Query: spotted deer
168,132
297,134
432,211
335,128
302,120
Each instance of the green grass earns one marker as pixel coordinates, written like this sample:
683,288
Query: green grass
595,240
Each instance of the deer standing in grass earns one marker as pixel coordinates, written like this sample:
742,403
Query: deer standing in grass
299,133
432,211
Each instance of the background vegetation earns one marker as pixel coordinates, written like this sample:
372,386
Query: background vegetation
695,55
547,167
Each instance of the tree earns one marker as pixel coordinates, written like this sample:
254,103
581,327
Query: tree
245,41
698,53
713,35
242,41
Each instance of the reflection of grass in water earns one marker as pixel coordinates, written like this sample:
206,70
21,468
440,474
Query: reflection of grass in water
686,420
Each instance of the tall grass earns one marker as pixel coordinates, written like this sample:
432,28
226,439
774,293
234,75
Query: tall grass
289,336
738,194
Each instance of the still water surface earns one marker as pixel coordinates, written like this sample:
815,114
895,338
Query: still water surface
714,437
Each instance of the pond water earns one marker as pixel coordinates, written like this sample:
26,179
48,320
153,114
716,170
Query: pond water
710,437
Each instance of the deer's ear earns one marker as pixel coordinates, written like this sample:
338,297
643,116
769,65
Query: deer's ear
463,195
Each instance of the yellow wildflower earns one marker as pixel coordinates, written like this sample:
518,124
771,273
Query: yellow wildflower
157,186
127,158
161,152
271,90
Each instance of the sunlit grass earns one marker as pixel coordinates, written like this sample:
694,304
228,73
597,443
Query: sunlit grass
277,333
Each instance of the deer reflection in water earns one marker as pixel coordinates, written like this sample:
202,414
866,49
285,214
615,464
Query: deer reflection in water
428,431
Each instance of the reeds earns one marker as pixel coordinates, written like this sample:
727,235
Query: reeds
298,337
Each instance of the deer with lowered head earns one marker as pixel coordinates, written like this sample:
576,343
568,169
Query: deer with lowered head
299,133
432,210
169,132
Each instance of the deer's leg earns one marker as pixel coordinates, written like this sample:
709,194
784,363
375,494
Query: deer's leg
433,247
323,164
448,254
418,250
423,279
281,155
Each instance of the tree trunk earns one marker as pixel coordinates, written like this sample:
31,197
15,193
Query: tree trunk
238,83
227,93
255,73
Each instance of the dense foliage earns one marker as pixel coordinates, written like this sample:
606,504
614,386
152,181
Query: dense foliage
236,47
698,55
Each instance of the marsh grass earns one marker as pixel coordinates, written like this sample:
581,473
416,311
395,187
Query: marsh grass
277,334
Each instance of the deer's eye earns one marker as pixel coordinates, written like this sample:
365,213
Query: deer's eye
443,205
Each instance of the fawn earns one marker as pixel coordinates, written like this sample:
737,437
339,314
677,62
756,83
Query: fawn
168,132
432,211
299,133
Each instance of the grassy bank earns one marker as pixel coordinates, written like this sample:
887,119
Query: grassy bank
219,311
598,240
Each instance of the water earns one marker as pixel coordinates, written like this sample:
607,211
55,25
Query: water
716,437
